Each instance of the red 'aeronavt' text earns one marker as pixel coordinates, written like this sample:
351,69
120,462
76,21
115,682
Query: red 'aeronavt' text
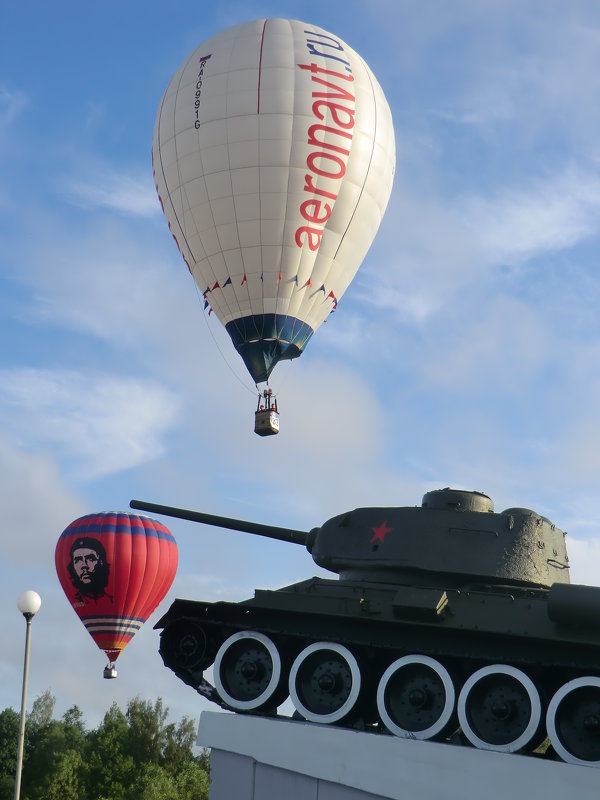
331,142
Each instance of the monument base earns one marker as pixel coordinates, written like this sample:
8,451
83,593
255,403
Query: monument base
262,758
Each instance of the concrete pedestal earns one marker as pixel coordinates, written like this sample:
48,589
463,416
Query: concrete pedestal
257,758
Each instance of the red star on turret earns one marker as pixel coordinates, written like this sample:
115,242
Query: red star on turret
380,532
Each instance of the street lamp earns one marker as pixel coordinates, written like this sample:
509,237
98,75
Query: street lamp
28,604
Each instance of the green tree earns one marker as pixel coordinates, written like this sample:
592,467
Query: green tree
111,769
192,781
154,783
179,743
134,755
148,734
41,711
74,716
54,764
9,737
62,779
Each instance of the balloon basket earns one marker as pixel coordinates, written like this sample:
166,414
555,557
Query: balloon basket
266,416
110,671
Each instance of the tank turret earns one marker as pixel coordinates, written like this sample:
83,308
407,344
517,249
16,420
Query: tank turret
454,536
448,621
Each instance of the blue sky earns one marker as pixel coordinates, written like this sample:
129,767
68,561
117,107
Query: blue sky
465,353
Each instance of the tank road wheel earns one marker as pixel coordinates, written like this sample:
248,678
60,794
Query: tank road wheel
415,697
247,671
573,721
325,682
499,708
184,647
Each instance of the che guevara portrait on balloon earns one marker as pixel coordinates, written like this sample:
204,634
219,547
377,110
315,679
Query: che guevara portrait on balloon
89,570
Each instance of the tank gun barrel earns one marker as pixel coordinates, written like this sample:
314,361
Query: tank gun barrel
270,531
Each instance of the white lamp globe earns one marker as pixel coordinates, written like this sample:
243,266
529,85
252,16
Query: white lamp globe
29,603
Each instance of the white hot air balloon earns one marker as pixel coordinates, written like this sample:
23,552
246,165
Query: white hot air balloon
273,158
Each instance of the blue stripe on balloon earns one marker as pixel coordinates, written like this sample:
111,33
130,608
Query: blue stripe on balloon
85,528
127,630
112,632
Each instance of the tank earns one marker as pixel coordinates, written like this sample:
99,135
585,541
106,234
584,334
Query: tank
447,621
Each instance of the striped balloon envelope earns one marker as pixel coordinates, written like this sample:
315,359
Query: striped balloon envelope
115,568
273,158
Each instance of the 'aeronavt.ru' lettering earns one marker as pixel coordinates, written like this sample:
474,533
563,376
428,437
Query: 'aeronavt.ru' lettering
328,158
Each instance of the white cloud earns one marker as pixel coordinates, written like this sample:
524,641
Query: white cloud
488,97
422,257
498,350
584,558
113,190
99,424
331,456
576,444
104,282
500,62
437,250
34,502
551,214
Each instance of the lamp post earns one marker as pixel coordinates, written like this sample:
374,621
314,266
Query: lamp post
28,604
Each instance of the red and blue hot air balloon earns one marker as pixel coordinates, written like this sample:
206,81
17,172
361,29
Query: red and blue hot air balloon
115,568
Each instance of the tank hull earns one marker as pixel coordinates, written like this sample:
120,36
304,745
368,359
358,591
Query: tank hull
361,630
478,622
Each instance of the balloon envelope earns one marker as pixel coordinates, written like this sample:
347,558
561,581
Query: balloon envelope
273,158
115,568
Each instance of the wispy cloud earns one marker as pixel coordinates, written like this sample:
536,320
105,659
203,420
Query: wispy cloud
489,96
520,223
444,247
131,194
34,501
104,282
95,113
97,424
428,253
12,103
